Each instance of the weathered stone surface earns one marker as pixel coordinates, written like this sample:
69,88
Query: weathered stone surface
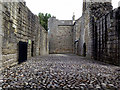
60,35
62,71
18,23
94,35
99,32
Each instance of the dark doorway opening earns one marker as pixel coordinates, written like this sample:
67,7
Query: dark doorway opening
84,49
32,49
22,52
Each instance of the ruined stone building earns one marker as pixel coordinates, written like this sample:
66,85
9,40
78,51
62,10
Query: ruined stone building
21,35
101,32
94,35
60,36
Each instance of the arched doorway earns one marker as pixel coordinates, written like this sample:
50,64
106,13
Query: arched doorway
76,47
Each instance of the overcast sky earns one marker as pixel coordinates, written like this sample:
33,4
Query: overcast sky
62,9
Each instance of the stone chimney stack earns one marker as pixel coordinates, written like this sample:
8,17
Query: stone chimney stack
73,18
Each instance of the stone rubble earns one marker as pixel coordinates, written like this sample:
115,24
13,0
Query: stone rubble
62,71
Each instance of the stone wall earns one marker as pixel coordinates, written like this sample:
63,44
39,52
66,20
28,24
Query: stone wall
1,36
81,39
100,32
85,40
94,35
107,40
44,50
20,24
76,35
91,10
104,33
60,36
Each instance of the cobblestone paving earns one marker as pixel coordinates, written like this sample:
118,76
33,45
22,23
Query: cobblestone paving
63,71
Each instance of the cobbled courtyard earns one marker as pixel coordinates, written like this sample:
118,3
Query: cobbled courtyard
62,71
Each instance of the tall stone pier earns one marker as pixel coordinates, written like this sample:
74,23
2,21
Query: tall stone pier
1,35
